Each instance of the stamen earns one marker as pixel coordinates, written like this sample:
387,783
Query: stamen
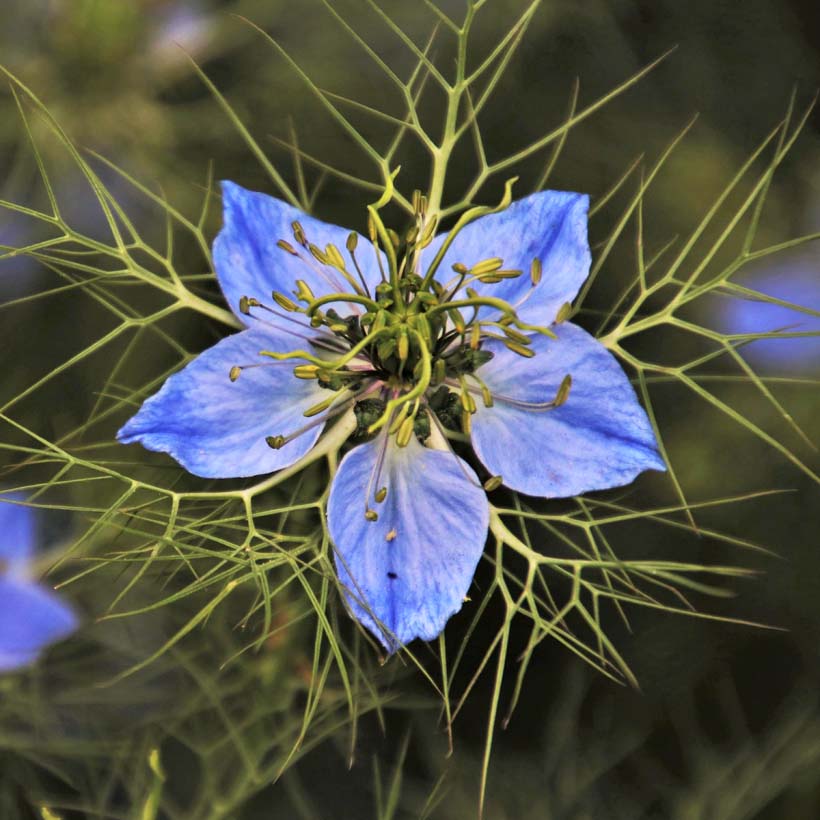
279,441
493,483
521,350
405,431
285,303
561,395
352,243
374,242
287,247
375,476
564,312
301,239
249,302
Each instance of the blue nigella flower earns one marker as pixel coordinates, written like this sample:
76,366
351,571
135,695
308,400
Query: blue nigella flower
411,341
793,285
31,615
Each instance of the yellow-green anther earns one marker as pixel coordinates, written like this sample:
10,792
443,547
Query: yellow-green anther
403,345
299,234
245,305
412,233
508,274
460,268
519,349
563,391
284,302
486,396
303,291
475,336
415,393
536,271
386,348
379,322
487,266
405,431
335,257
466,422
275,442
318,254
317,320
419,321
372,232
439,371
458,321
426,298
381,495
286,246
543,331
564,313
371,515
400,418
429,232
394,238
416,202
467,402
352,241
306,371
493,483
321,406
235,371
338,327
515,336
489,278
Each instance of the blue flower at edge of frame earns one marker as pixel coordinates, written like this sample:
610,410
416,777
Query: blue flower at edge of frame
405,574
31,615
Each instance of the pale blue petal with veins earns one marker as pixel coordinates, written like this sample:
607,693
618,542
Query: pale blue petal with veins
249,263
600,438
405,574
550,226
216,428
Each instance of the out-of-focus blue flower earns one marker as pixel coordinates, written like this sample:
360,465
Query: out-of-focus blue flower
31,615
435,334
180,26
795,280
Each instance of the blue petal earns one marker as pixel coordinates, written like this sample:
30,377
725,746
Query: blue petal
31,617
550,226
249,263
407,573
600,438
18,533
216,428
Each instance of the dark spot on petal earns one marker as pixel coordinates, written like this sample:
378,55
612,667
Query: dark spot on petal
392,576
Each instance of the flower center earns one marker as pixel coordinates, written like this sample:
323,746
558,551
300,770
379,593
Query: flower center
406,352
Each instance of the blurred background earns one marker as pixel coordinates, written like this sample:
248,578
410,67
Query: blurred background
726,724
